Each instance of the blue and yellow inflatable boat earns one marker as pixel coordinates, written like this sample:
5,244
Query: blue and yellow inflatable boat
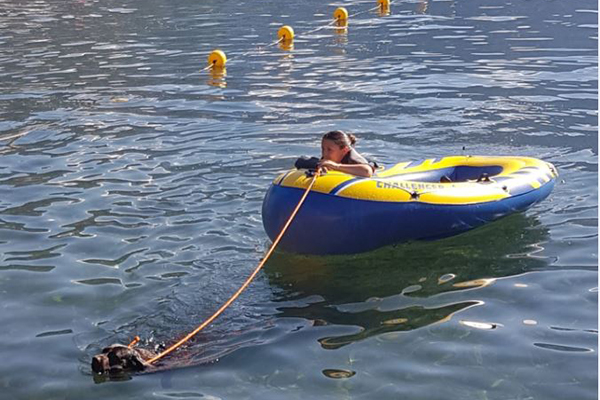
425,199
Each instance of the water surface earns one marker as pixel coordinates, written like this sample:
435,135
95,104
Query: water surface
131,186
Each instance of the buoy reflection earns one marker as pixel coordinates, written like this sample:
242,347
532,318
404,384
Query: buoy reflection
217,77
286,45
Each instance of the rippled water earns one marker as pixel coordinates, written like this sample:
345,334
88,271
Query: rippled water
131,185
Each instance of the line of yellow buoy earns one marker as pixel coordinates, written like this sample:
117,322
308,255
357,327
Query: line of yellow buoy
285,35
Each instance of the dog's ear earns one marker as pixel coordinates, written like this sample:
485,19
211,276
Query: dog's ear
115,358
123,352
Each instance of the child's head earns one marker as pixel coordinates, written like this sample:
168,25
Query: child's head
336,144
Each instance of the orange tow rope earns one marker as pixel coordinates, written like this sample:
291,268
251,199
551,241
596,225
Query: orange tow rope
244,285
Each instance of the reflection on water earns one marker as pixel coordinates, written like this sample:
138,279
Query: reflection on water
398,288
428,268
217,77
374,322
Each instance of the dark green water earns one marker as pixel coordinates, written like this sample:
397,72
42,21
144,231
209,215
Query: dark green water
131,188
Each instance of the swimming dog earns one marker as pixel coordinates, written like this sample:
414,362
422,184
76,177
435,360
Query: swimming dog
117,358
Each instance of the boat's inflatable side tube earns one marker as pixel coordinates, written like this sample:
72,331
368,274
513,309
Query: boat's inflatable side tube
335,225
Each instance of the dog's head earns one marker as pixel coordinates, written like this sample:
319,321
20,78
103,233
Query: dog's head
117,358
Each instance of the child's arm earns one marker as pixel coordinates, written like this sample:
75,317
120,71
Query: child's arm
364,170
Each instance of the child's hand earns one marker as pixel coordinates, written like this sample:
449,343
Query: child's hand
326,165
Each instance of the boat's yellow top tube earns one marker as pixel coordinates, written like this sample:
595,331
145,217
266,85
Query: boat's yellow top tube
412,181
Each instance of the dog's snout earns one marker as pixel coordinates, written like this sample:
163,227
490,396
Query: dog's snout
100,364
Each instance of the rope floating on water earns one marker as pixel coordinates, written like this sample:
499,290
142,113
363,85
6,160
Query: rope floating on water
216,62
244,285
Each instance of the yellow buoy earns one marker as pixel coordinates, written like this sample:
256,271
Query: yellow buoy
340,14
285,34
384,7
217,59
384,3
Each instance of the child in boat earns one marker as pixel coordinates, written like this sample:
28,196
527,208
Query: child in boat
338,154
